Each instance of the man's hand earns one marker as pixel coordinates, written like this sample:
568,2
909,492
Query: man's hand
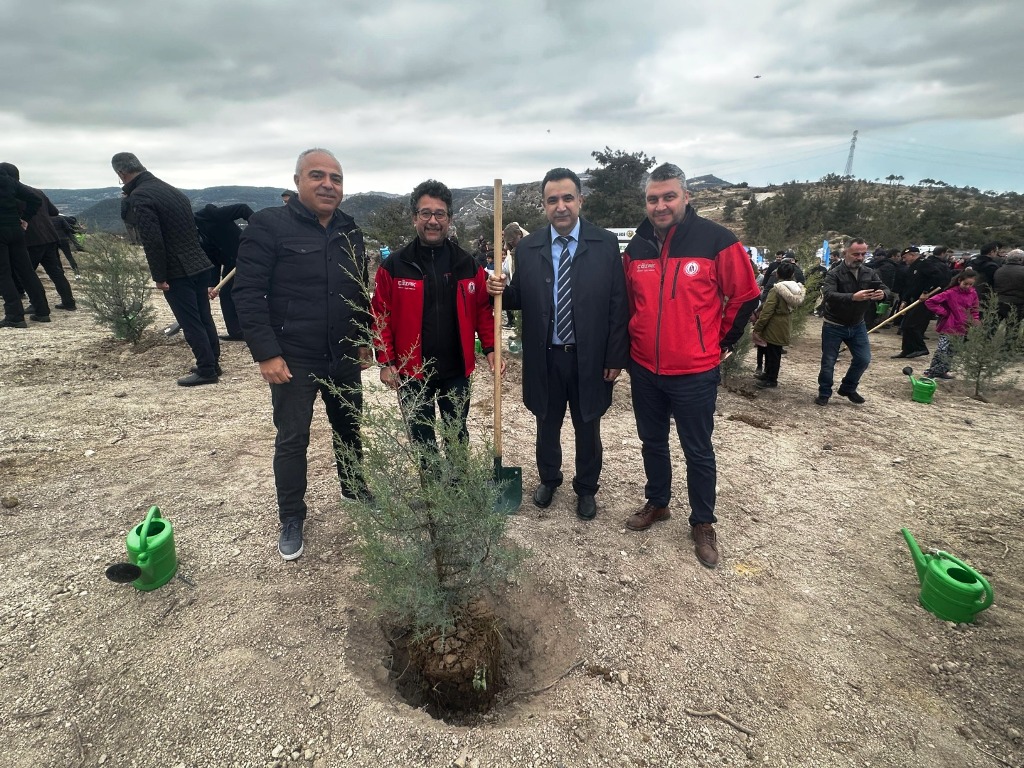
490,363
389,376
275,371
365,358
213,293
164,286
611,374
24,224
496,284
869,295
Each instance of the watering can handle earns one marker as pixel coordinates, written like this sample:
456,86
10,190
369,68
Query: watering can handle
154,511
984,582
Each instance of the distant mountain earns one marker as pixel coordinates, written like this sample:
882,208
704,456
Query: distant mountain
706,182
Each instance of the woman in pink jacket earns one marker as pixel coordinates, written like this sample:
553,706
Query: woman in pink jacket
957,310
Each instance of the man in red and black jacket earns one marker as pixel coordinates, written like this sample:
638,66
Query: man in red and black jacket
430,302
691,292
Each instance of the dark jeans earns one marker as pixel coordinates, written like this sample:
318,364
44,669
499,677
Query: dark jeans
16,272
772,362
690,400
563,390
856,339
48,256
293,417
190,304
452,400
69,254
915,323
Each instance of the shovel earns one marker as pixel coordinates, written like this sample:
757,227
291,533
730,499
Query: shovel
902,312
508,479
173,328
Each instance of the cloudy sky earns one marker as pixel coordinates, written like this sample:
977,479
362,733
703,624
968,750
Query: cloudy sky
228,92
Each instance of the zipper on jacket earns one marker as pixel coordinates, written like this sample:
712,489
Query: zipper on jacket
700,333
675,279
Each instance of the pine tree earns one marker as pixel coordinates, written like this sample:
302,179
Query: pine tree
988,347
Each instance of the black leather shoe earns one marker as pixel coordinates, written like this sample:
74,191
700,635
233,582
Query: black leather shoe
586,508
819,400
220,371
918,353
194,380
853,397
39,318
67,307
5,323
229,337
542,496
901,354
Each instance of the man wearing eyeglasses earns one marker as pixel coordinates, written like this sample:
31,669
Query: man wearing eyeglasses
571,289
429,304
301,301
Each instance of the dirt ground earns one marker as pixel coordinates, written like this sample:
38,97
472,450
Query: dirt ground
808,639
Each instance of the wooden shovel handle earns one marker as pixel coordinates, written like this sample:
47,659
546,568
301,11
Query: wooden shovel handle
497,324
227,277
902,312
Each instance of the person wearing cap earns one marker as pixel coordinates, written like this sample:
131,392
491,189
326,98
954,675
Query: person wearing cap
286,196
923,277
847,290
691,293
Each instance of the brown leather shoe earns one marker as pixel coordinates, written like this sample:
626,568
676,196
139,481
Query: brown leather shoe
705,544
647,516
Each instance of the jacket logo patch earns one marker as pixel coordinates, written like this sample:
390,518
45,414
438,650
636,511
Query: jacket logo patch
691,268
472,288
407,284
645,266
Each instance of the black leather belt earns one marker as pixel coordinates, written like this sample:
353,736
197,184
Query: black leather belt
563,347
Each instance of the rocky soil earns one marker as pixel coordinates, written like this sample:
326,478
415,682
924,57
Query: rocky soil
806,647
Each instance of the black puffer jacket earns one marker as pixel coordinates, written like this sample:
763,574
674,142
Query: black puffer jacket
301,289
162,217
837,291
14,198
219,234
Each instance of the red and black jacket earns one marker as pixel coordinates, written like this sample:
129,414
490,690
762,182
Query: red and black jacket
688,299
398,307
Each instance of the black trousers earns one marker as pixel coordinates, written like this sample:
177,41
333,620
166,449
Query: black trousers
452,400
293,417
564,390
47,255
16,273
772,362
69,254
190,304
227,301
915,323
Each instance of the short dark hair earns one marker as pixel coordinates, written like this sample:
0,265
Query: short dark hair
988,248
856,241
557,174
938,250
786,270
431,188
126,162
667,172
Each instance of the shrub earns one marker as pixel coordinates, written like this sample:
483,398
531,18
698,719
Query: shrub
116,286
988,347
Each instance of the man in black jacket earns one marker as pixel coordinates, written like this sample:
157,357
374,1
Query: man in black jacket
846,292
299,291
572,291
162,217
219,236
923,276
17,203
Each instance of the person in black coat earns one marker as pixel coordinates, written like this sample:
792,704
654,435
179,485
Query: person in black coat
299,291
162,217
219,236
570,357
17,203
923,276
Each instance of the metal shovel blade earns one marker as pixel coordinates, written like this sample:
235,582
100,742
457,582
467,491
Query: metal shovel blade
510,487
123,573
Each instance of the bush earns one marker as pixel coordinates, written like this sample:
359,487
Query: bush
988,347
116,286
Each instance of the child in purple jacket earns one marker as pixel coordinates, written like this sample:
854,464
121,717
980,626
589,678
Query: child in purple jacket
957,310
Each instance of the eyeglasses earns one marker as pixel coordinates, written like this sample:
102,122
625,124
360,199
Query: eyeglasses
424,215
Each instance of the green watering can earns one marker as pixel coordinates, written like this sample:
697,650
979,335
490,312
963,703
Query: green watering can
153,561
950,588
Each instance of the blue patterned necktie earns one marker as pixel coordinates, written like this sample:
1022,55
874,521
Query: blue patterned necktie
563,310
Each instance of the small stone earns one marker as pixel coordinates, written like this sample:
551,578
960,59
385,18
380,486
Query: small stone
308,754
102,760
623,677
474,763
450,659
460,761
296,755
9,502
90,452
950,666
314,702
933,668
1013,734
277,751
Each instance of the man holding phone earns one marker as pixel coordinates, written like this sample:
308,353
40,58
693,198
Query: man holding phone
846,293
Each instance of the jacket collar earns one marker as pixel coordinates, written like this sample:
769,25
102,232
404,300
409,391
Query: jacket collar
131,185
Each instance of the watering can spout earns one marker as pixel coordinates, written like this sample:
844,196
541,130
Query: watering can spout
920,564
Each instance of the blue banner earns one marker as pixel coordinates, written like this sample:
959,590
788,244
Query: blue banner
825,253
